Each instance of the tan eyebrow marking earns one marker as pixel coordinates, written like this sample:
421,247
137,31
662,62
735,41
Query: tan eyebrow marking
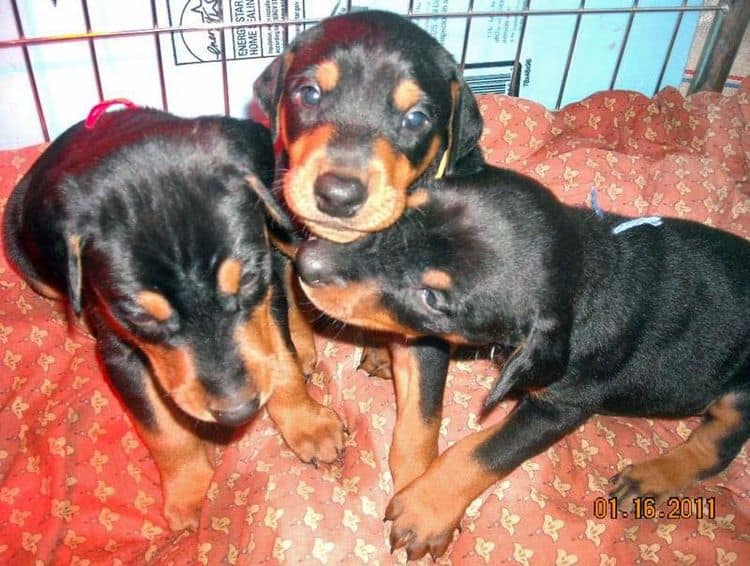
327,74
229,276
437,279
155,304
406,94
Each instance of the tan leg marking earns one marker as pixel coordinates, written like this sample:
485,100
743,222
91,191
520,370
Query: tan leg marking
313,432
427,511
690,461
182,461
299,326
415,442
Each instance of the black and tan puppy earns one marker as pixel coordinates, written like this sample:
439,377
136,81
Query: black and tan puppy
605,317
154,227
364,106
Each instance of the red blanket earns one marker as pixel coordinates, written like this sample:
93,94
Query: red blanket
78,486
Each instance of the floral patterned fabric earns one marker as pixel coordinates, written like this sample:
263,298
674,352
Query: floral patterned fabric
77,486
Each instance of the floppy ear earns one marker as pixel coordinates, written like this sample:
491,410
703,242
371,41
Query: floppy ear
74,273
273,208
269,86
465,127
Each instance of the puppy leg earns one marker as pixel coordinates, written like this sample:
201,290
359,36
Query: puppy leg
420,369
313,432
299,326
708,450
181,456
426,512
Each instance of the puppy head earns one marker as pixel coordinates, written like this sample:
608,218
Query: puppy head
363,105
170,249
429,274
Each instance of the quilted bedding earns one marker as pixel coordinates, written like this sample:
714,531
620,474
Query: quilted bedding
77,486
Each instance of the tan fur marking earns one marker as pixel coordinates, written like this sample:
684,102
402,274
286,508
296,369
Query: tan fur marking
175,370
316,140
182,461
262,348
672,472
427,511
299,326
399,172
387,178
406,94
417,198
415,442
155,304
358,304
229,276
327,74
312,431
437,279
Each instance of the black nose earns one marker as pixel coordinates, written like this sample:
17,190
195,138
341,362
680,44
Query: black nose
313,264
339,196
237,414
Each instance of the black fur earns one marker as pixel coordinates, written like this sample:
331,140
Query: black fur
654,321
373,51
156,203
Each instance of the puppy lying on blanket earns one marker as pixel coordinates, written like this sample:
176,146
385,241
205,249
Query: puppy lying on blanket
154,226
606,316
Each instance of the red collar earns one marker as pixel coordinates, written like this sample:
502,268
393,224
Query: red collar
97,111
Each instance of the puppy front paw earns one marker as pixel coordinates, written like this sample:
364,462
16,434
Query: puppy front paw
314,433
184,495
419,524
181,515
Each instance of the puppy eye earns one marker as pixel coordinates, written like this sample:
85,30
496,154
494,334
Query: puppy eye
434,300
309,95
414,120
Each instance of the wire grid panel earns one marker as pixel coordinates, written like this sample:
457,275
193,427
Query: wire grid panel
195,57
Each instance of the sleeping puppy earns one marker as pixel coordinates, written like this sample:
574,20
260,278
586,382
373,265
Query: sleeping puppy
607,315
153,227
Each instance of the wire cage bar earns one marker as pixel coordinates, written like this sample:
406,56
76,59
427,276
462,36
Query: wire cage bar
713,68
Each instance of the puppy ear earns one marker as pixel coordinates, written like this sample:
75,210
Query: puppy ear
269,86
273,208
73,246
464,129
